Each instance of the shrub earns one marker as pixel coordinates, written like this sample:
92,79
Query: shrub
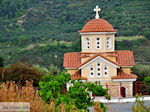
78,94
147,35
51,86
142,71
99,107
20,72
147,80
139,105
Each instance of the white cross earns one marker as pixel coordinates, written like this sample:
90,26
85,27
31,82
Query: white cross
97,9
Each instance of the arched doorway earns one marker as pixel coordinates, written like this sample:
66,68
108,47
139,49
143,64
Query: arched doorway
123,91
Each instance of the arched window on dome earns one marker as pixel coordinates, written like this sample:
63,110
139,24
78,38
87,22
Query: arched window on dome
98,43
108,42
87,40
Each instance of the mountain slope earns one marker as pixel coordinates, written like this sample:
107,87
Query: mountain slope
34,22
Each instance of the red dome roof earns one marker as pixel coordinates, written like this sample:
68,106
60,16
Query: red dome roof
98,25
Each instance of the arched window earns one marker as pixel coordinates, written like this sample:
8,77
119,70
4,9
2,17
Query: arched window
108,42
105,70
98,69
87,43
98,43
92,71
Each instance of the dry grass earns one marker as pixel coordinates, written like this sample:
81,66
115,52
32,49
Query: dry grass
97,107
11,92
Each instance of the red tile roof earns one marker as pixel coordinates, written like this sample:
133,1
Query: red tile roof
124,58
123,75
98,25
72,59
77,76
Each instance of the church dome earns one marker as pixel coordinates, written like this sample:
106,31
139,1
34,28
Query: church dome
98,25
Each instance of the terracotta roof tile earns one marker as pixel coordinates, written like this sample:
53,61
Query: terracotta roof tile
71,59
122,75
77,76
98,25
124,58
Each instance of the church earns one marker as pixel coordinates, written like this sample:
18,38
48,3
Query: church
99,61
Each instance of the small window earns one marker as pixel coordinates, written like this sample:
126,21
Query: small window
108,42
92,71
98,69
87,43
98,43
105,70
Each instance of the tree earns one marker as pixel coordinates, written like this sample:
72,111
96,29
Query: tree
147,35
41,69
51,86
1,62
147,80
20,72
51,70
78,94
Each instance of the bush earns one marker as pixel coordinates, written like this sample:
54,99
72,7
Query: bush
139,105
78,94
147,35
142,71
20,72
99,107
147,80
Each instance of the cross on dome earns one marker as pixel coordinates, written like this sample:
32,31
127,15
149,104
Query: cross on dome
97,9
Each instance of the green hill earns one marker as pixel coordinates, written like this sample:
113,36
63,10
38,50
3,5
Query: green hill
26,26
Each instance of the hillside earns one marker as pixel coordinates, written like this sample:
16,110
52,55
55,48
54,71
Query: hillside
37,31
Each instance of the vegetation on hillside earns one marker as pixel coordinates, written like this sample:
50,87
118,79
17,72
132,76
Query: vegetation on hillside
32,31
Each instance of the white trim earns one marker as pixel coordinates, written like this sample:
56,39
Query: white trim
120,100
71,68
83,33
102,59
124,80
93,80
126,66
84,80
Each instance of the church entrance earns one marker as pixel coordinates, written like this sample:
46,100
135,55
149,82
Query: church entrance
123,91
